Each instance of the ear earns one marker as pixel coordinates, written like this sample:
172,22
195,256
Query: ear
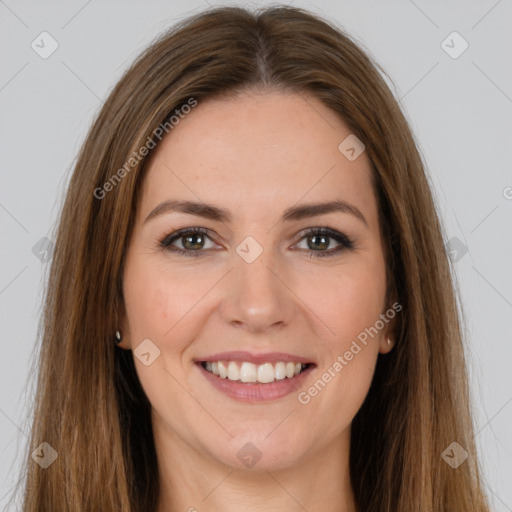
386,343
389,334
123,328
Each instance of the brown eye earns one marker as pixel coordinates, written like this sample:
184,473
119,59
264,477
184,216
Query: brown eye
319,239
192,240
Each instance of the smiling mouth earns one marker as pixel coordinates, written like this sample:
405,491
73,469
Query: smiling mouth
250,373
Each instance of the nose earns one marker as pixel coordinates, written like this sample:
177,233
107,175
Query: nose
257,297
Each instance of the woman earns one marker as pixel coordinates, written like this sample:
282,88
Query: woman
250,306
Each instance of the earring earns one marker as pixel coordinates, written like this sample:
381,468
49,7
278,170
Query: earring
118,337
389,341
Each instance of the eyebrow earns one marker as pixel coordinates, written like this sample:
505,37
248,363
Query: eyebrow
293,213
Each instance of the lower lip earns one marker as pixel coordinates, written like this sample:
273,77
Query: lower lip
256,392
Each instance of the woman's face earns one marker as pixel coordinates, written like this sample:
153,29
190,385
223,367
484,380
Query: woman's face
255,283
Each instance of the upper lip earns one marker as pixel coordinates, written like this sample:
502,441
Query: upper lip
242,355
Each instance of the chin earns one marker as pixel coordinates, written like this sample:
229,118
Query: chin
260,452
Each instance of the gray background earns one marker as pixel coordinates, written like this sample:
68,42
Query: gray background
459,109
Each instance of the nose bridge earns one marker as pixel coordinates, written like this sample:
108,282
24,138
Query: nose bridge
256,295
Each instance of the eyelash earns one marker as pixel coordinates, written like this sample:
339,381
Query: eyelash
343,240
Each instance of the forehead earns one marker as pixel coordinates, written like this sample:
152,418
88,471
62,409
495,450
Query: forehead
257,154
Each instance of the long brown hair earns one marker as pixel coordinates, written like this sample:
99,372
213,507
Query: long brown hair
89,405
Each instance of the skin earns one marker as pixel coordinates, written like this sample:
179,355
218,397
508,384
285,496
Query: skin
255,155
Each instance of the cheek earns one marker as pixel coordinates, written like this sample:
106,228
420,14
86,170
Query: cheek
156,299
157,302
346,301
147,305
348,358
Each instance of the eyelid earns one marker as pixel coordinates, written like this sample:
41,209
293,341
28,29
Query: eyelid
179,233
344,241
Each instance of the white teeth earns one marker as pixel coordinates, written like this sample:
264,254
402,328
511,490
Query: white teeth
280,371
233,371
223,371
249,372
266,373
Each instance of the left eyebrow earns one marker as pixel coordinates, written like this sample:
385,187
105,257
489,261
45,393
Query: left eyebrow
293,213
313,209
